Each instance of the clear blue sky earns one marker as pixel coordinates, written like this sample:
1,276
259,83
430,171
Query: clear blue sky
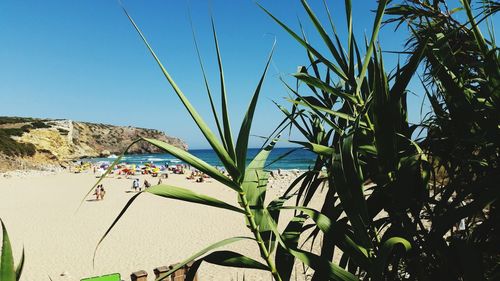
82,60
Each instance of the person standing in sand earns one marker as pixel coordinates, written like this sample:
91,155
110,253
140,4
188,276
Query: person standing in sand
135,184
97,192
139,188
102,192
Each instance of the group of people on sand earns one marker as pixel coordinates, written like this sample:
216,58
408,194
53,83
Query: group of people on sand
99,192
198,176
136,185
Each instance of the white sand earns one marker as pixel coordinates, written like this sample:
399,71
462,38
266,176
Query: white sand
40,213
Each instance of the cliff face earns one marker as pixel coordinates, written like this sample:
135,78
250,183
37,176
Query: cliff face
29,143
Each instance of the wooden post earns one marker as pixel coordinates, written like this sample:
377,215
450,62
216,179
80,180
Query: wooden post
178,275
140,275
160,272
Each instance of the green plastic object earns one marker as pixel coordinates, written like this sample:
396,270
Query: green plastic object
109,277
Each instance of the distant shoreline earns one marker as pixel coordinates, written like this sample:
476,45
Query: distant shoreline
296,160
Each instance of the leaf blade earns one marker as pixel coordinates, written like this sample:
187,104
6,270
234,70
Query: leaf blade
207,132
225,115
202,252
195,162
183,194
7,272
244,133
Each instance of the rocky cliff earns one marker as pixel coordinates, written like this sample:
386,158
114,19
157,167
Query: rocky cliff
33,143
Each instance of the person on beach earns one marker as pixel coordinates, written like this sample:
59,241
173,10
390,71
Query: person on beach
159,181
97,192
102,192
139,185
135,184
146,184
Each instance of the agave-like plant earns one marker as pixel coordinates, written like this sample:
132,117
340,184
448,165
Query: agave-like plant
8,272
249,182
461,79
354,117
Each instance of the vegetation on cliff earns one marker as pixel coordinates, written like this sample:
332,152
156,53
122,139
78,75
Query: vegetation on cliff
30,142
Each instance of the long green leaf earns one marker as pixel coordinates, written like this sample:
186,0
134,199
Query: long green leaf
20,266
195,162
323,267
232,259
325,87
225,258
225,112
322,116
284,260
339,114
387,248
376,28
334,30
386,116
317,148
325,37
223,155
317,54
292,117
244,134
329,228
350,41
491,64
407,72
254,187
207,87
202,252
7,272
184,194
481,43
348,181
254,184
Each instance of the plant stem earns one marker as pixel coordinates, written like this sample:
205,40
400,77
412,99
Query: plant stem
258,237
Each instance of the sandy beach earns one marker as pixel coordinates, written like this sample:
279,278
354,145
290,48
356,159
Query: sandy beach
40,212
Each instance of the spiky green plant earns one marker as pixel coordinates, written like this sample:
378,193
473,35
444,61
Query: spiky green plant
461,80
354,117
8,272
249,184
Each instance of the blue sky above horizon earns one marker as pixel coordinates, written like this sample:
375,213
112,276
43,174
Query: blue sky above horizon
83,60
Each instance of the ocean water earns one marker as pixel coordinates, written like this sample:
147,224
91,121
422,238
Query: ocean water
295,158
